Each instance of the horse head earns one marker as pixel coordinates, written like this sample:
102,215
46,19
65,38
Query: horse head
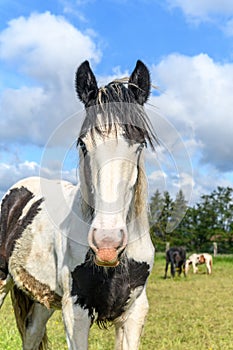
111,142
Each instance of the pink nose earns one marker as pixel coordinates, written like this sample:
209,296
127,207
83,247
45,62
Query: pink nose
107,245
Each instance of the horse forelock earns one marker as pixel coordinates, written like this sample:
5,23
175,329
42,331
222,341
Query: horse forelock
115,106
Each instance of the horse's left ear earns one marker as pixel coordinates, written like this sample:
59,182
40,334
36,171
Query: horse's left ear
139,82
85,83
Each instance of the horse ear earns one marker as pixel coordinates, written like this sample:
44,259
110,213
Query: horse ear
139,82
85,83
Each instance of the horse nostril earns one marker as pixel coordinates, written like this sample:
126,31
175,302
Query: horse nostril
122,243
93,238
120,252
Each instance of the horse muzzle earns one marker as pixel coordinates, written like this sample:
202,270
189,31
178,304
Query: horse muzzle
107,245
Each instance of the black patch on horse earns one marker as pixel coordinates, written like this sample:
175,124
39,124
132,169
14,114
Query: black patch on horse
11,227
106,291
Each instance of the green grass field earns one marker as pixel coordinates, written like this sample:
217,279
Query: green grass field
193,313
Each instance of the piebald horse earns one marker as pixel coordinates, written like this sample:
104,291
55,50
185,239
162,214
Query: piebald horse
85,249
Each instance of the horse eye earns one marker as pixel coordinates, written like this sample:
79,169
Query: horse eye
82,146
141,146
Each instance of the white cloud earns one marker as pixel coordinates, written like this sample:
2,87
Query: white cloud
197,95
203,10
11,173
157,180
46,46
218,12
228,27
207,179
46,49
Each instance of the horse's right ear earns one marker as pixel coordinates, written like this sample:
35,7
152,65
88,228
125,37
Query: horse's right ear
85,83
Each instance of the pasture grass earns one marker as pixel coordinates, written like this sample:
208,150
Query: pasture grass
192,313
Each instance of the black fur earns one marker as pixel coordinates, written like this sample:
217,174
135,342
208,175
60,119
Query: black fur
11,227
85,83
176,256
11,209
139,82
106,291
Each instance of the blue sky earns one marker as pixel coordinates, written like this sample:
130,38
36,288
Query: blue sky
188,47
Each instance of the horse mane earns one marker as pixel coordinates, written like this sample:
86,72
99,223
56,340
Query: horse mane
115,106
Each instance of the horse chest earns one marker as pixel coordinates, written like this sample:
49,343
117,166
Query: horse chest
107,291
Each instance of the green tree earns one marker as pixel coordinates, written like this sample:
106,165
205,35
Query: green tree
179,208
196,227
165,217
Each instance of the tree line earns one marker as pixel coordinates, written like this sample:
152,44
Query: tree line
194,227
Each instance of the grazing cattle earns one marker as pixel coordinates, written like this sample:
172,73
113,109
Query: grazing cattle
176,256
199,259
85,249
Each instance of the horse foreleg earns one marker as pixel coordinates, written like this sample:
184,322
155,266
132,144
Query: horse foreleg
166,268
179,269
173,271
209,267
77,324
128,331
183,268
195,268
5,286
34,336
76,319
31,318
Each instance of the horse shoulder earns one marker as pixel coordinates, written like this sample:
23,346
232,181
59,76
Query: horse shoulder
33,262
